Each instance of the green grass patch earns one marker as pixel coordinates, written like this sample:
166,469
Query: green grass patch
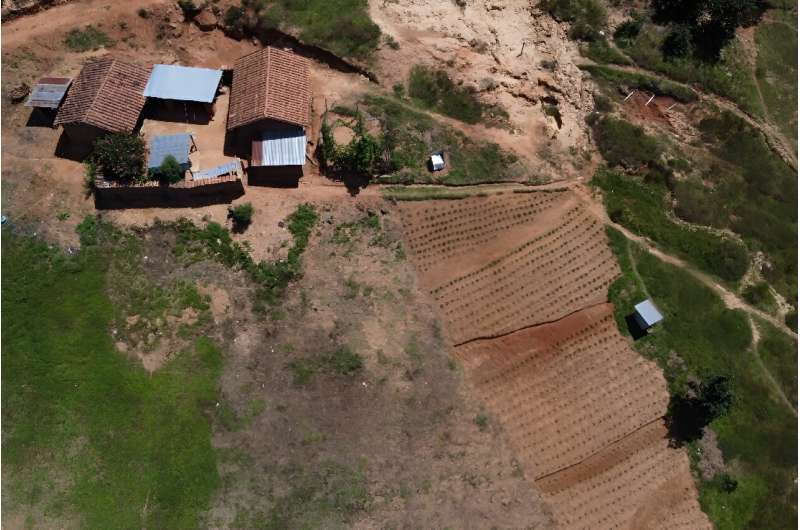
778,351
699,337
327,497
758,191
660,87
215,242
411,136
120,448
641,207
86,39
433,89
601,52
341,26
341,362
776,74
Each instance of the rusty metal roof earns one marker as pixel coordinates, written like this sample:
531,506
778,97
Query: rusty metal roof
270,84
107,94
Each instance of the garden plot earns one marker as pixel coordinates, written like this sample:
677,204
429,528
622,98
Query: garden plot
535,258
521,282
566,390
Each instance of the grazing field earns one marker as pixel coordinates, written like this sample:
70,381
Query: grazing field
699,338
583,410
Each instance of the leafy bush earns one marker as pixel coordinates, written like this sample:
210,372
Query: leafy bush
587,17
170,170
624,144
688,414
242,215
759,295
89,38
362,156
678,43
433,89
627,31
120,157
189,8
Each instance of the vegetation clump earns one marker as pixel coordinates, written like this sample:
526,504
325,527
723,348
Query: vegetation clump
343,27
120,157
170,170
342,361
587,17
433,89
87,39
241,215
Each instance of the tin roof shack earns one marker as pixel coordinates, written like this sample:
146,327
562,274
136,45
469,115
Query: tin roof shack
182,93
278,157
644,317
107,97
270,107
45,98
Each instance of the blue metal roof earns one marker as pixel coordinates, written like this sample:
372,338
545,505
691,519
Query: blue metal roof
648,312
177,145
214,172
183,83
283,147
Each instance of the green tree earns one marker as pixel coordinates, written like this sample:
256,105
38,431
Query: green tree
689,413
120,157
242,216
170,170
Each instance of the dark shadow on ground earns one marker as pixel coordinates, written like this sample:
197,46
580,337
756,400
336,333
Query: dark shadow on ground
634,328
41,118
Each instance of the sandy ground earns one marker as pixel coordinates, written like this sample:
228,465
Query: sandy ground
499,49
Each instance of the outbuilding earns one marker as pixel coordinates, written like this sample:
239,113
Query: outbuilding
270,108
182,93
107,97
647,314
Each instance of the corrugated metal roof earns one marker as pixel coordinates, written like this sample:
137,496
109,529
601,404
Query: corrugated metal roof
648,312
49,92
177,145
214,172
183,83
283,147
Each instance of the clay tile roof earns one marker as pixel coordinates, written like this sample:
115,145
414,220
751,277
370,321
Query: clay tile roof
107,94
270,83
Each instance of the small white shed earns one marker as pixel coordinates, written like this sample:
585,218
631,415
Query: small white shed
437,162
647,314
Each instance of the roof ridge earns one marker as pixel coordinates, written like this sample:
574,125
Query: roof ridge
90,106
267,79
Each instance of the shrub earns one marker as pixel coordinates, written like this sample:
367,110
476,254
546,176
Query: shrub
434,89
120,157
482,420
760,295
89,38
627,32
587,16
690,413
170,170
678,43
624,144
143,13
189,8
242,215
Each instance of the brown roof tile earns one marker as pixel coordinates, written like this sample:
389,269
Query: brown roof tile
270,83
107,94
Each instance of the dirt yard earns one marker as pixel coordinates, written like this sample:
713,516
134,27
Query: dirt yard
522,283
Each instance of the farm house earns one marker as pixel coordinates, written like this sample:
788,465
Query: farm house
107,97
182,93
270,108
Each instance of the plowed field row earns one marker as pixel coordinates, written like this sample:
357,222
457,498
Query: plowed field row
522,282
566,390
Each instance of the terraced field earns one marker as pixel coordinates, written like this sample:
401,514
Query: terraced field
521,281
